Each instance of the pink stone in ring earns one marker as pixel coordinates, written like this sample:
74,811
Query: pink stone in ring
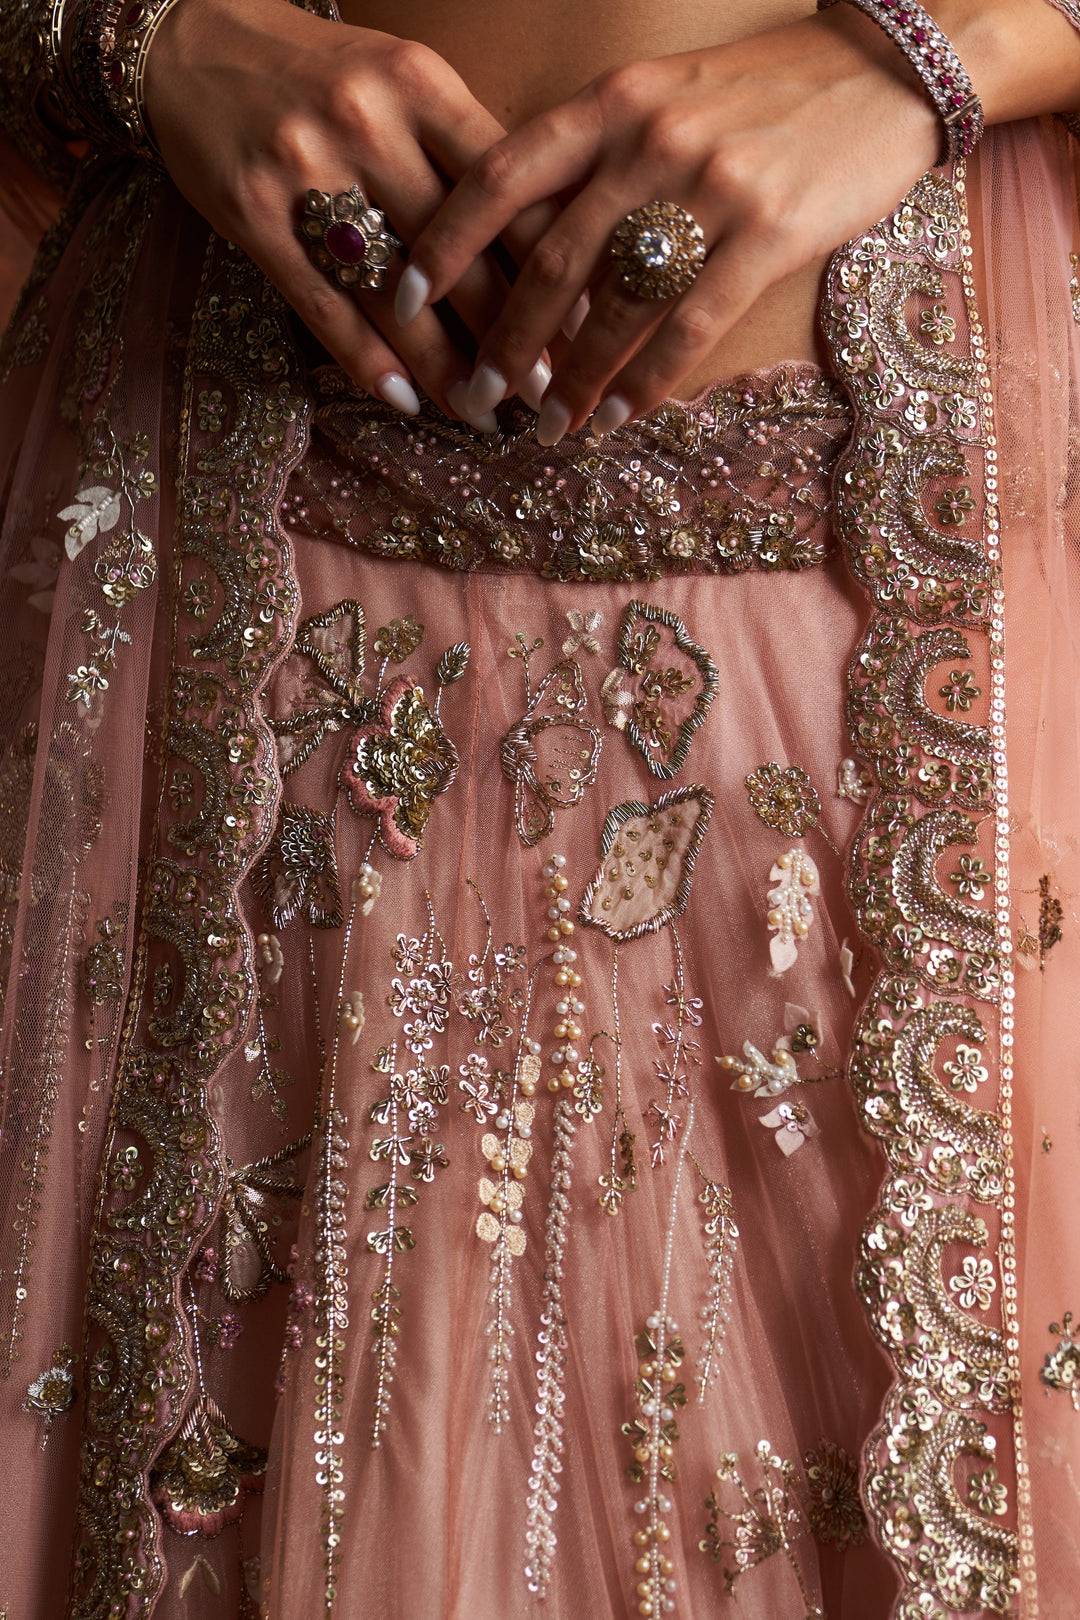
345,242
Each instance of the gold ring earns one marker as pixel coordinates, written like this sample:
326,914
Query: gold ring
348,238
658,250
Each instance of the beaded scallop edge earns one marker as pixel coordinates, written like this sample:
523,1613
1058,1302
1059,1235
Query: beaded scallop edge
858,350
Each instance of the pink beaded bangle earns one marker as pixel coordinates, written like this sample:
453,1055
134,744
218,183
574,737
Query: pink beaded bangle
939,68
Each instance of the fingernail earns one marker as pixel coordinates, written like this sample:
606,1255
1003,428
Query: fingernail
534,387
398,392
458,396
412,294
610,414
573,322
553,421
487,388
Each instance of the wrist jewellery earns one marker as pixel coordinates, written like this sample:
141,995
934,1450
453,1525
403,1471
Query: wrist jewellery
939,68
348,238
108,55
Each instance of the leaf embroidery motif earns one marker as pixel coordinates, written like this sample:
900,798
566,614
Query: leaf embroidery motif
647,855
790,912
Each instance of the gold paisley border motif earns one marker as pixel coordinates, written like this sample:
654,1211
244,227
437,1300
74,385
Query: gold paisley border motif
231,467
938,1023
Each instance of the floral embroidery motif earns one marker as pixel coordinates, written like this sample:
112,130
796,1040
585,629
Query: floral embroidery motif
124,567
793,1125
298,875
199,1481
721,1245
254,1197
790,913
784,799
52,1393
409,1114
398,759
663,689
1061,1368
853,783
582,628
103,966
738,480
975,1284
396,768
833,1507
647,863
398,640
335,643
551,754
769,1521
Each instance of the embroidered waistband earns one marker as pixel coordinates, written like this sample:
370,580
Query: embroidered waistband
738,478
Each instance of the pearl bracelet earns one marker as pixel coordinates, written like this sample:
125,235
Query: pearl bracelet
939,68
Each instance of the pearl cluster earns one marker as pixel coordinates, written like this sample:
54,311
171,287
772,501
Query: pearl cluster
569,1007
658,1393
790,912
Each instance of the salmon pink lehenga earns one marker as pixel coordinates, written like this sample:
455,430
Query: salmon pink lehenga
536,1073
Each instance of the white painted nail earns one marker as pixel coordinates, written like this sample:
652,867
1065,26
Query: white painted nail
412,294
487,388
553,421
573,322
458,396
610,414
398,392
534,387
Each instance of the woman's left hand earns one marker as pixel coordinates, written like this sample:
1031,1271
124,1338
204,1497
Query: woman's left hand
782,147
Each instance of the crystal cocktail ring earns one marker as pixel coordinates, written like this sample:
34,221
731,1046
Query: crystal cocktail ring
658,250
348,238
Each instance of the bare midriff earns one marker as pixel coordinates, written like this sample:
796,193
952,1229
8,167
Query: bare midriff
519,57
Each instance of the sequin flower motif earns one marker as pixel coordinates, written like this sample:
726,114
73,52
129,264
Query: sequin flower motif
832,1488
298,873
199,1481
784,799
792,1124
1061,1369
399,758
396,769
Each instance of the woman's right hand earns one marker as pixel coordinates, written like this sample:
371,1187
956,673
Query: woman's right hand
254,102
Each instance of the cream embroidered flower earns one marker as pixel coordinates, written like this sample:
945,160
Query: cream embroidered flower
966,1070
975,1284
582,626
987,1494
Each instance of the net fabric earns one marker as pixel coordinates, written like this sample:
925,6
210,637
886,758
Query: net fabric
1028,230
236,1181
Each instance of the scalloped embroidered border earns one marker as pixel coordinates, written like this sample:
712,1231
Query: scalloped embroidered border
230,478
946,965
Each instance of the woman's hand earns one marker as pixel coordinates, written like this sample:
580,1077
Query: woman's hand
782,147
253,102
